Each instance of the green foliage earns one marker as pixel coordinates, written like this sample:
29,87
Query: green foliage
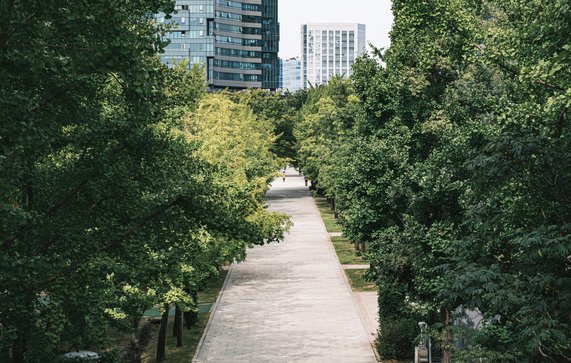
358,280
485,355
395,338
277,110
346,252
453,161
321,122
109,203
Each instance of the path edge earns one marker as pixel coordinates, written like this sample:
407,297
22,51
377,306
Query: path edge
213,310
357,305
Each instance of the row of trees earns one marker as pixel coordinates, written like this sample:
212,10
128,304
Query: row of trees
122,184
450,152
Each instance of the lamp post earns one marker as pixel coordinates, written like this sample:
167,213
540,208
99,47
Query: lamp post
423,352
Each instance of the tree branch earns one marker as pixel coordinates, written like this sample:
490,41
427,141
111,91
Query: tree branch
7,243
6,24
515,72
400,218
118,80
54,46
128,233
49,100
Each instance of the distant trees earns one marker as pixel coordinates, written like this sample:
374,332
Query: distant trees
278,110
454,162
114,195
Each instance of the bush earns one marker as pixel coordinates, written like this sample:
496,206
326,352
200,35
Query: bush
391,301
396,338
478,354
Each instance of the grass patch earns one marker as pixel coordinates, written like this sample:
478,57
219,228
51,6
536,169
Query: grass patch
344,249
357,280
213,287
327,216
346,252
176,354
191,337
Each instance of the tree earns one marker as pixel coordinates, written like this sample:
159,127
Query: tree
277,110
109,205
453,165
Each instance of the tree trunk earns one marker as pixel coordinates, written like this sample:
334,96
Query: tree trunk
194,313
18,348
178,326
135,349
161,343
186,314
363,247
5,353
176,322
446,354
191,317
187,319
334,209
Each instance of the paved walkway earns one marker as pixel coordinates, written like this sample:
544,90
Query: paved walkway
289,302
368,307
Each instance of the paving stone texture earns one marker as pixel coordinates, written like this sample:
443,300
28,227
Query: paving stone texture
289,302
368,307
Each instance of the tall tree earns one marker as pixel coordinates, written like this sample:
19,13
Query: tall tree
108,204
453,165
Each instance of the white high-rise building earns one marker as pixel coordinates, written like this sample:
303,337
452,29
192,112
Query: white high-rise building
329,49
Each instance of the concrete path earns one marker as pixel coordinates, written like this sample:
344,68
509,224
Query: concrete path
367,304
289,302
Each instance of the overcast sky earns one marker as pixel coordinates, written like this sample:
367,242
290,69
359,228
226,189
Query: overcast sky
375,14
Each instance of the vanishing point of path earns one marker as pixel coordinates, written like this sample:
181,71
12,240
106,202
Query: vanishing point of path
289,302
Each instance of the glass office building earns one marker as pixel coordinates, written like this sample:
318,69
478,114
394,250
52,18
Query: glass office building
329,49
291,75
236,41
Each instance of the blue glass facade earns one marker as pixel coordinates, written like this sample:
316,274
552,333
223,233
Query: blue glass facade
291,75
236,40
270,47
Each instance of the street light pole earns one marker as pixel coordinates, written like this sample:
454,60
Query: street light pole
423,352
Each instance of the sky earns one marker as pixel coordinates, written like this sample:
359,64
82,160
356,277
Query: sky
375,14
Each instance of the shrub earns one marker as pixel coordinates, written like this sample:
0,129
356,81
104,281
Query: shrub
396,338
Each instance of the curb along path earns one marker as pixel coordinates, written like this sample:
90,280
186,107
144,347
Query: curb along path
289,302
